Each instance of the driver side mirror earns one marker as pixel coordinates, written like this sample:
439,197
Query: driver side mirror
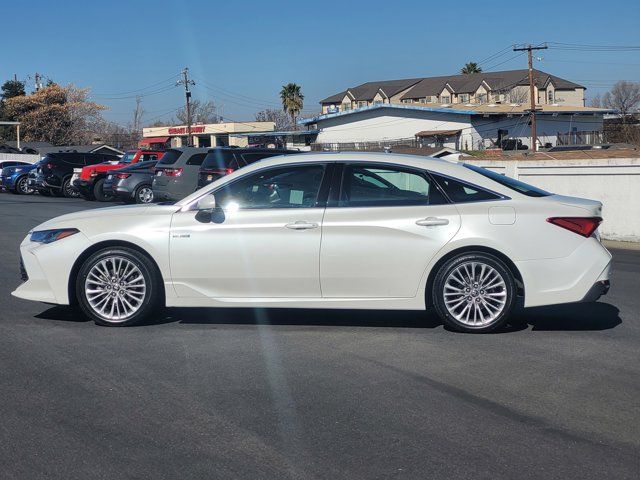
208,212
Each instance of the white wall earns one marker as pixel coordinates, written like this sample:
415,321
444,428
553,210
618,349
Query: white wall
613,181
372,126
19,157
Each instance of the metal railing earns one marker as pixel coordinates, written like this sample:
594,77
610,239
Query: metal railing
580,138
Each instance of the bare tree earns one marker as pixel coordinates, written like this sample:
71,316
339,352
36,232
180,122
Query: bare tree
280,118
624,97
596,102
201,112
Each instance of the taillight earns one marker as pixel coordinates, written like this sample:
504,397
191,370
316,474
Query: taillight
93,173
217,171
49,166
172,172
584,226
122,176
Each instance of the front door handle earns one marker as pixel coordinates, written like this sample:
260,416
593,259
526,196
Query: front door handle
432,222
301,225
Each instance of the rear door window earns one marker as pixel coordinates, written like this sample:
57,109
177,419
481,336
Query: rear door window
367,185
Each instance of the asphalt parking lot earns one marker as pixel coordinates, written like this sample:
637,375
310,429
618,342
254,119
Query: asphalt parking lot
262,394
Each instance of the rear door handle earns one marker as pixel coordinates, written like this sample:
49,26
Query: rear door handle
300,225
432,222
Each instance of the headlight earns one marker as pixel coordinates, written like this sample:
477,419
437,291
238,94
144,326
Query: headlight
48,236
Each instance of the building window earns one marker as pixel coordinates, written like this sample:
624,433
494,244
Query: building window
377,102
362,103
482,97
406,100
463,98
550,96
423,100
445,99
346,106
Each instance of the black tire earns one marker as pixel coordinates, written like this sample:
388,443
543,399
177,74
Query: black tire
68,190
141,194
150,297
98,192
22,187
485,302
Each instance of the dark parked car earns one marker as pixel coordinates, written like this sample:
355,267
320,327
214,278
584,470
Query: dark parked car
222,161
132,183
53,175
14,179
176,173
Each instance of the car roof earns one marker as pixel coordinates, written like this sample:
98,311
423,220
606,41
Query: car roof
452,169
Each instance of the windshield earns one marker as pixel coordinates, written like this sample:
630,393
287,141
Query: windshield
128,157
512,183
170,157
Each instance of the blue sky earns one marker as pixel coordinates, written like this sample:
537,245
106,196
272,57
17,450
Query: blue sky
241,53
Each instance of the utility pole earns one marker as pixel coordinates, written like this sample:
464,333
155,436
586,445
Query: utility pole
529,48
38,81
186,82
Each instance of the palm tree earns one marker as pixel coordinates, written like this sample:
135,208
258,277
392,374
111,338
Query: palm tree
471,67
292,101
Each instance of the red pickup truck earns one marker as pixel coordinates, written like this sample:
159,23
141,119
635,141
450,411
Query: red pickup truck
89,180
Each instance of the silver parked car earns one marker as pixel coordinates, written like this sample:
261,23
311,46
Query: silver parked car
176,174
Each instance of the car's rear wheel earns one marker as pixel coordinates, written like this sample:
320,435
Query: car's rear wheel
98,192
474,292
22,186
68,190
118,286
144,194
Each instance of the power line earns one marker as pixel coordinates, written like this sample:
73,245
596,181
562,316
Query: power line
172,77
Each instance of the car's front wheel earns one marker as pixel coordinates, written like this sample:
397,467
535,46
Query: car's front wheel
118,286
474,292
22,186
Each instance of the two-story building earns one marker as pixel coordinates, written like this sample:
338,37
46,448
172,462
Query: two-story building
511,86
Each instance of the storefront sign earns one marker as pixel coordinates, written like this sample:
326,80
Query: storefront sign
183,130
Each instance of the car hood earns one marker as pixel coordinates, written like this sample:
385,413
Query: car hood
107,214
22,168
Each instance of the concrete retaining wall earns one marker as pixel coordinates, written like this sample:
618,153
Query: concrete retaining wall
19,157
613,181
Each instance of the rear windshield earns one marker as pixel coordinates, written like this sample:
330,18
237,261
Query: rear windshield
513,184
170,157
139,166
219,159
128,157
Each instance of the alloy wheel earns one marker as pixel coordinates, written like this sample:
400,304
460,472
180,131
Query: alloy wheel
145,195
475,294
23,186
115,288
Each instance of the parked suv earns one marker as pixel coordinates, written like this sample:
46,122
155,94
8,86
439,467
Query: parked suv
89,180
132,183
53,175
222,161
176,173
14,179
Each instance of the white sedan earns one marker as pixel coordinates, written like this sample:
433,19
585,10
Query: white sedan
346,230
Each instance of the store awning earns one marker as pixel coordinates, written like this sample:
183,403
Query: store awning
438,133
150,140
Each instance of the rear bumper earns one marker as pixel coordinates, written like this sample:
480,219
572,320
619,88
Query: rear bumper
568,279
598,289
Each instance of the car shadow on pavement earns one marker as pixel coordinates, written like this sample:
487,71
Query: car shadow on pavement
571,317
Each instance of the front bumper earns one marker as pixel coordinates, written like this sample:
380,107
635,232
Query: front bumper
47,268
85,187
